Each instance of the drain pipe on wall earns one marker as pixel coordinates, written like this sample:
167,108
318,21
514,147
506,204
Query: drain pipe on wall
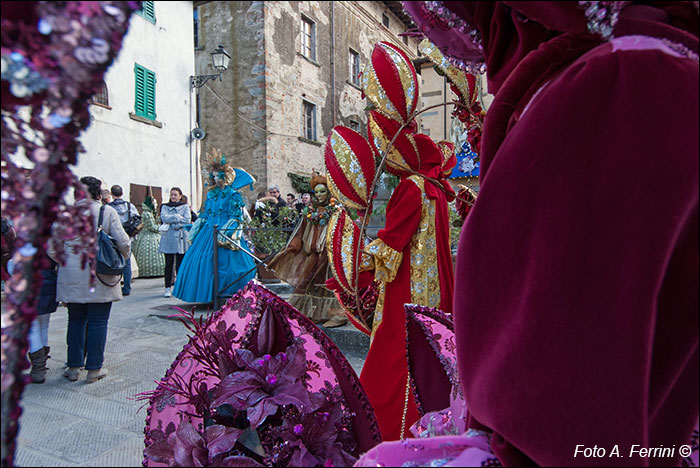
332,66
190,140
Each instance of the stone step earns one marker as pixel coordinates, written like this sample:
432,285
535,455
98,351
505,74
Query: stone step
348,337
278,287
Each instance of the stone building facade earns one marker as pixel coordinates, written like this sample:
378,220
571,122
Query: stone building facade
290,80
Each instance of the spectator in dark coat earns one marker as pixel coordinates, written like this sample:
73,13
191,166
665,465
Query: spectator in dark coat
39,332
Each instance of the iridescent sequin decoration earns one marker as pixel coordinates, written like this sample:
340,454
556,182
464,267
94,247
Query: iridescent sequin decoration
425,281
444,18
602,17
24,80
349,179
54,56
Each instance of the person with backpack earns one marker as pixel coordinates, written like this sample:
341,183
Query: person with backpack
88,304
130,218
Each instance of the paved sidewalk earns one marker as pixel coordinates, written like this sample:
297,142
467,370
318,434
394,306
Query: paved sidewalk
75,424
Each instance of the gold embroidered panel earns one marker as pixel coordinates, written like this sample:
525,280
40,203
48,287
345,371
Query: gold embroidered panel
425,281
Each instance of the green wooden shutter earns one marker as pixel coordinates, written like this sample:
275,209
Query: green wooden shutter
151,95
148,11
140,80
145,92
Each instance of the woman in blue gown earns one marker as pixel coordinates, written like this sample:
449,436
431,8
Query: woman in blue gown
225,207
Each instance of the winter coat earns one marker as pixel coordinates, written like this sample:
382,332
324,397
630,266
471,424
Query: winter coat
46,302
73,281
174,240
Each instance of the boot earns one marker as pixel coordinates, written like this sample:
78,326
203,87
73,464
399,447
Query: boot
95,375
72,373
38,372
46,350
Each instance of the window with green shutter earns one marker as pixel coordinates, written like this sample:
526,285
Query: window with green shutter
148,11
145,81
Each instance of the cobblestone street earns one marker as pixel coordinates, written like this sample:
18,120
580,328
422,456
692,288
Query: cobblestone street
75,424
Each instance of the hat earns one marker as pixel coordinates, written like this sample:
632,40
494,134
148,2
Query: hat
316,179
215,164
350,167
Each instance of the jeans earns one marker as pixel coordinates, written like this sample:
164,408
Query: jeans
39,333
169,260
87,331
126,289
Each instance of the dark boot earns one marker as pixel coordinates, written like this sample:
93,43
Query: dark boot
38,372
46,350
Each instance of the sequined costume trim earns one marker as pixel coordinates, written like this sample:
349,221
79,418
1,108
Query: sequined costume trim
381,141
425,280
351,170
387,261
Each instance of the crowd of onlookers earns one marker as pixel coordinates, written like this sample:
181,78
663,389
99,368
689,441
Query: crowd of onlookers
272,197
157,236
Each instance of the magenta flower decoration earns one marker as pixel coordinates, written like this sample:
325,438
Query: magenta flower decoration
257,385
318,438
264,384
185,446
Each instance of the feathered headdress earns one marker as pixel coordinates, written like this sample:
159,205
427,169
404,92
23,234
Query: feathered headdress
316,179
217,170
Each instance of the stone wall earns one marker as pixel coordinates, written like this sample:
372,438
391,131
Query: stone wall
269,79
325,82
232,111
291,79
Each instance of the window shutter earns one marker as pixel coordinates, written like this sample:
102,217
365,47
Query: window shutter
150,95
149,11
145,102
140,80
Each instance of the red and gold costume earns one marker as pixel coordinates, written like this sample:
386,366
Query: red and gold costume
413,262
411,257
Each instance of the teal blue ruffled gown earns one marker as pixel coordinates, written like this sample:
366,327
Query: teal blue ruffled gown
224,207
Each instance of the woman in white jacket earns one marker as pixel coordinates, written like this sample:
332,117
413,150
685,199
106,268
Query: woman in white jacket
89,305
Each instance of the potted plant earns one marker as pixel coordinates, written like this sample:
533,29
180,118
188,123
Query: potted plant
268,232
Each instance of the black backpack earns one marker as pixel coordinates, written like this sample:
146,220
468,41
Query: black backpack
133,225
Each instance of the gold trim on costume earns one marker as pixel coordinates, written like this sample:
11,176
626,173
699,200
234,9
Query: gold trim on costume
386,260
378,311
381,141
425,280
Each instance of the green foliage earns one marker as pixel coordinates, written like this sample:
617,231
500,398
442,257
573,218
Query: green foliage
264,230
455,225
300,183
391,181
379,208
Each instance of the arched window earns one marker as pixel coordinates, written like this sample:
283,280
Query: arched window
101,96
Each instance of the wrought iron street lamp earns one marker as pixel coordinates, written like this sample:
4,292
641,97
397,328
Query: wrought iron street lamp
219,59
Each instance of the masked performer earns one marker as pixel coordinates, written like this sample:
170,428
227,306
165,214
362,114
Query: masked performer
413,262
225,207
304,261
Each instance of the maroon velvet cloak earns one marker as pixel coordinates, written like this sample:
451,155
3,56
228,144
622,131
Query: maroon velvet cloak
576,306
